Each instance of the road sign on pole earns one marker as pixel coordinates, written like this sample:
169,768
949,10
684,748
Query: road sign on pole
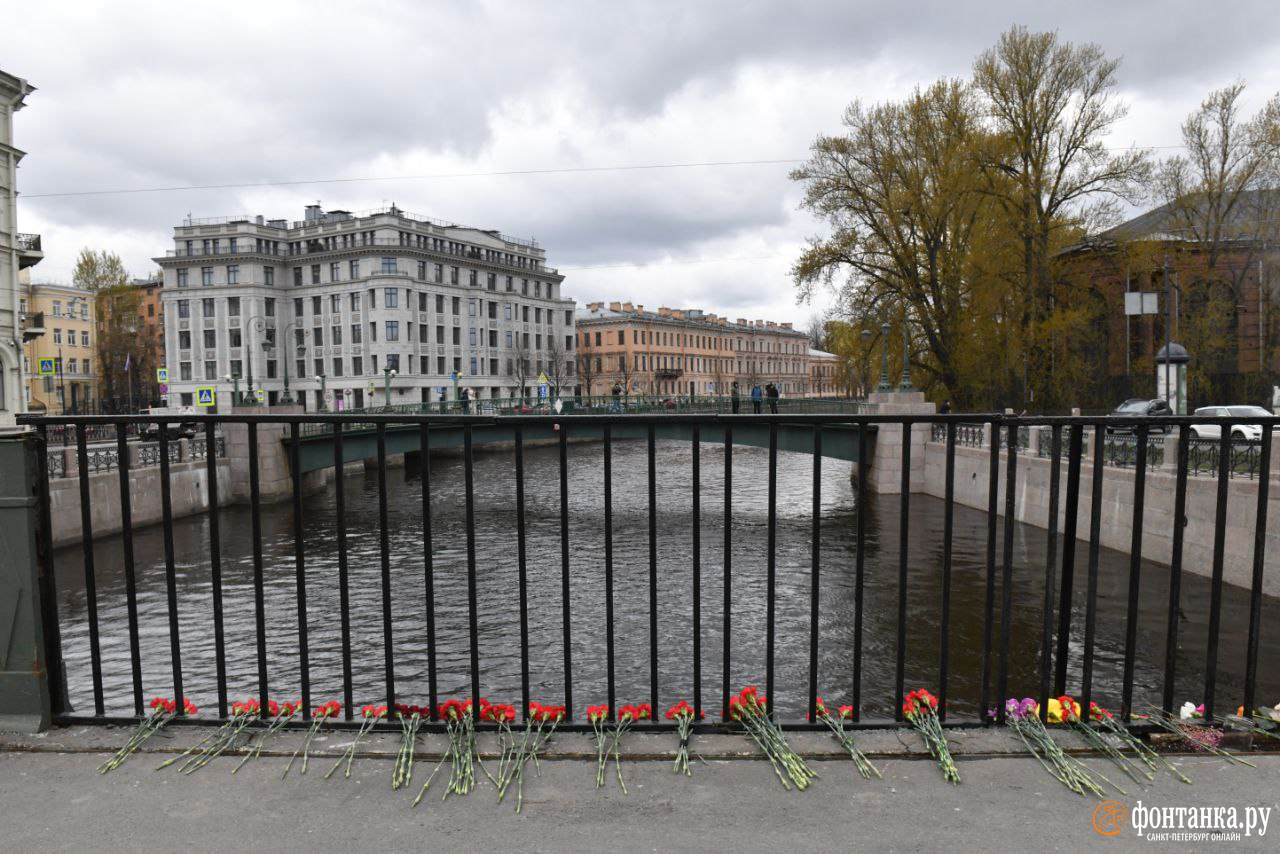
46,367
162,375
205,396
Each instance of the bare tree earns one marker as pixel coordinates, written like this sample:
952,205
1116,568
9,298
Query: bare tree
518,364
559,365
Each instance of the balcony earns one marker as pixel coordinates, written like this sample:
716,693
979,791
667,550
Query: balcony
29,251
668,373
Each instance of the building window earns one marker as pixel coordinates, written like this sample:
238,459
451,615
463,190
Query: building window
357,366
472,279
453,275
233,274
184,340
84,339
269,276
457,306
439,304
422,271
333,271
337,366
315,305
391,298
207,307
335,303
473,366
206,276
353,269
471,308
269,307
317,336
439,273
233,307
233,337
508,338
471,336
182,277
439,334
440,365
422,302
57,336
355,301
210,339
457,336
335,335
373,331
315,274
355,333
393,362
297,277
210,369
388,265
393,330
493,281
184,371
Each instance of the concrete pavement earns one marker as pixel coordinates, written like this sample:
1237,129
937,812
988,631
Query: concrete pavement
52,800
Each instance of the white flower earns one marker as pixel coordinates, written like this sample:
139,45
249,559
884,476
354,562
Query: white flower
1188,711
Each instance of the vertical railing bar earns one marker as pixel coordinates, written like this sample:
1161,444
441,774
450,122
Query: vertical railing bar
54,666
130,577
771,579
1259,563
1135,570
859,567
523,576
608,565
428,559
948,525
988,610
344,591
564,570
1091,589
259,601
1175,569
90,579
1006,574
300,566
726,673
215,565
653,572
473,614
1074,450
904,531
697,576
1215,594
384,552
1050,566
816,554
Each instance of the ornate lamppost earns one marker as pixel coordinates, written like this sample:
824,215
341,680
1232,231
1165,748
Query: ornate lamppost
905,383
884,358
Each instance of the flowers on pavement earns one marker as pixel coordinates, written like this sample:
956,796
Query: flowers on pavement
920,708
682,714
460,723
372,714
243,713
836,724
540,725
750,710
162,711
281,714
319,717
1023,716
410,718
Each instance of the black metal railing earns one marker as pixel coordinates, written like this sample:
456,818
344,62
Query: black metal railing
1204,456
1075,662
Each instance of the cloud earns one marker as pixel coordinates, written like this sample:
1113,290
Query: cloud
142,95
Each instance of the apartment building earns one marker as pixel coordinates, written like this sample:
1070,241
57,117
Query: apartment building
825,377
686,352
59,365
18,252
340,307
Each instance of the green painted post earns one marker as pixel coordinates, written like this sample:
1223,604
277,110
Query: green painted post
24,682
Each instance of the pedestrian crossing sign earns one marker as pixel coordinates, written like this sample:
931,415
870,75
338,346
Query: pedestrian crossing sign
162,375
47,367
542,379
204,396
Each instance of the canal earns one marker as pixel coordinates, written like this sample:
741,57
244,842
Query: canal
498,602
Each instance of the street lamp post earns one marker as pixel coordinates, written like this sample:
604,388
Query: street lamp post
320,379
905,383
387,375
884,358
863,372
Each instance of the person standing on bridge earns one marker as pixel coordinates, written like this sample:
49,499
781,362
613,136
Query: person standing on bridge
735,398
771,391
617,398
757,398
465,397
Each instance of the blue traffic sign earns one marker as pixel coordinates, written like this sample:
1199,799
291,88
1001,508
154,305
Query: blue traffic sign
205,396
47,367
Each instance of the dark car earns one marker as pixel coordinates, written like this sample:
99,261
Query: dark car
1139,407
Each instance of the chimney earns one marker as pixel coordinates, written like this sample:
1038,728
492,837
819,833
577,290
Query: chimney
615,306
786,325
677,313
639,308
313,213
258,219
663,311
628,307
742,321
594,306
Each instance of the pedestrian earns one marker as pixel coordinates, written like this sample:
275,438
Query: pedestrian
757,398
771,391
735,398
945,409
617,398
465,397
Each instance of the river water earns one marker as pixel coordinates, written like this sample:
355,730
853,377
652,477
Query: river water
498,603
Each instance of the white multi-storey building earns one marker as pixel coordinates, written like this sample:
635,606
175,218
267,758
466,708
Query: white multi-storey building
17,252
340,306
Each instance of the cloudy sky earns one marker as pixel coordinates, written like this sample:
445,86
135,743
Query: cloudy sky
517,115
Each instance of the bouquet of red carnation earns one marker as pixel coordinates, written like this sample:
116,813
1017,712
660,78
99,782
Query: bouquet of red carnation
372,714
410,718
750,710
598,717
539,727
682,714
460,723
836,724
1097,739
243,713
921,709
281,714
322,713
502,714
162,711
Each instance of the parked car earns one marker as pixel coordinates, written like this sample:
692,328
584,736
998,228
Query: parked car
1138,407
1239,432
174,429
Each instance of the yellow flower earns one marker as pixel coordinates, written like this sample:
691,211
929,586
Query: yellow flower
1055,711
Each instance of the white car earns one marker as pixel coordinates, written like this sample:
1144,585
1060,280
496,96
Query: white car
1240,432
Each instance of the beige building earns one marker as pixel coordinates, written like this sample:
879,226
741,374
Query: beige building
18,251
686,352
59,365
826,378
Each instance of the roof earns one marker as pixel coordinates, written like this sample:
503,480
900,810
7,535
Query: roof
689,317
821,354
1174,221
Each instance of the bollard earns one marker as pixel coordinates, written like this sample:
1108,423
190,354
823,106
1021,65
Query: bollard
24,683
